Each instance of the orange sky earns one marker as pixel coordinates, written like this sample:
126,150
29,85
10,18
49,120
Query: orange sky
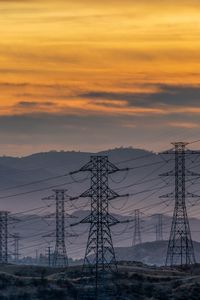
87,58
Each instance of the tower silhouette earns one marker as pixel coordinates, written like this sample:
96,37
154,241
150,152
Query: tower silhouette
100,257
60,258
16,238
48,255
137,239
180,247
159,227
3,237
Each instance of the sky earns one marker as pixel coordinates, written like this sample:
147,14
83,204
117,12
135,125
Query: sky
91,75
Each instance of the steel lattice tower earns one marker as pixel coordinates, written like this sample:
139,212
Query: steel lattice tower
48,255
3,237
60,258
159,227
60,254
180,247
16,238
137,239
100,255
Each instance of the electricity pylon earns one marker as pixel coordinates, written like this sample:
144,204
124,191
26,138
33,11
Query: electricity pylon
100,255
180,247
60,258
159,227
137,238
3,237
16,238
48,255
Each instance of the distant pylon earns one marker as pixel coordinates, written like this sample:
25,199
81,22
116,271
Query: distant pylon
16,238
48,255
159,227
3,237
100,254
60,258
180,247
37,257
137,238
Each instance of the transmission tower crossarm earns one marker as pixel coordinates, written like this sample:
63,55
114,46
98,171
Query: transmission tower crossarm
114,195
170,173
122,222
112,220
74,198
74,172
192,195
170,151
88,168
52,197
85,168
190,173
89,193
118,170
84,221
169,195
126,221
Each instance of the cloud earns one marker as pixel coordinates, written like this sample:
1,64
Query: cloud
76,68
177,95
159,100
186,125
31,104
162,94
22,134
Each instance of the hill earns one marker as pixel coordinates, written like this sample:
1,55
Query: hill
134,281
16,171
151,253
32,227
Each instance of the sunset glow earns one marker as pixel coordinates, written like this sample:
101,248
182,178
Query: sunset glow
132,62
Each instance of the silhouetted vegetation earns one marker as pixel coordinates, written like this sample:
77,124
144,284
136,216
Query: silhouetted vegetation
133,282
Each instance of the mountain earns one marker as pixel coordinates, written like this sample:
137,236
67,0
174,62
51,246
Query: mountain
16,171
150,253
37,231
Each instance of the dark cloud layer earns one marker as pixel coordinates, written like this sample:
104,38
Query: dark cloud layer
64,130
32,104
166,95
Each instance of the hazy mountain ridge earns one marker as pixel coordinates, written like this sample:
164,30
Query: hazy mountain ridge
32,227
150,253
58,158
16,171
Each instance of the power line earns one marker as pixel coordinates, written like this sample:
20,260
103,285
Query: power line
193,142
34,182
134,158
35,191
62,175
